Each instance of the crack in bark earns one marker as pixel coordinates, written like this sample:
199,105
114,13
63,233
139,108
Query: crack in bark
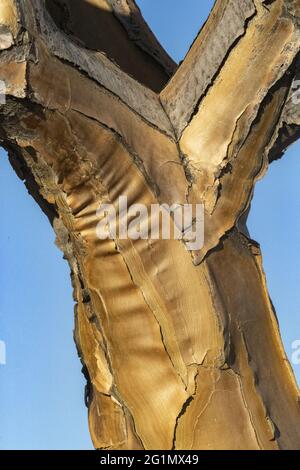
217,72
183,410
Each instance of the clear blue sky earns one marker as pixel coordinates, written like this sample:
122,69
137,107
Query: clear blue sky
41,386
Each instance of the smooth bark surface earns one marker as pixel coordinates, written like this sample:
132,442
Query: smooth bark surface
180,350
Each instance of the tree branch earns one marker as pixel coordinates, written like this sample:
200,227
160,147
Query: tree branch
117,29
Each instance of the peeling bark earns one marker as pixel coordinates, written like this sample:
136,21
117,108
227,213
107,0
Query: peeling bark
180,350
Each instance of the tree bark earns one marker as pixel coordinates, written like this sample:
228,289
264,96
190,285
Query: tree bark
181,350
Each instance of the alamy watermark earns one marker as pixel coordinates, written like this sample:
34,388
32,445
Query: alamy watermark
2,353
179,222
295,96
3,91
296,352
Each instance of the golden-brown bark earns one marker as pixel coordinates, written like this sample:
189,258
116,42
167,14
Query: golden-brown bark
181,350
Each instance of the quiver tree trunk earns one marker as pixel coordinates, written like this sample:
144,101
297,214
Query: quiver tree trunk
181,350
